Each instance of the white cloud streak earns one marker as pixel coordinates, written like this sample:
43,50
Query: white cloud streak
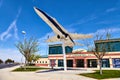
1,2
111,10
44,44
44,38
82,21
103,32
7,34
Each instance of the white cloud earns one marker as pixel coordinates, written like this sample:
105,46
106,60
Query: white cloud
114,33
82,21
1,1
115,29
7,34
103,32
43,38
43,44
11,54
111,9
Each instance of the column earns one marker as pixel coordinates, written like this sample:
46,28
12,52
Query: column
111,64
56,62
74,63
85,63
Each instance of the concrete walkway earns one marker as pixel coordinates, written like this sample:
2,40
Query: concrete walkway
6,74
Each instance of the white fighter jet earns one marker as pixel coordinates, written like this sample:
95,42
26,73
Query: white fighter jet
60,32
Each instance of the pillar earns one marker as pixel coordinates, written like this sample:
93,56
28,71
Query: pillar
111,64
74,63
85,63
56,63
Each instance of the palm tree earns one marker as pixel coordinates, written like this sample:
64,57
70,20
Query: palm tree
27,48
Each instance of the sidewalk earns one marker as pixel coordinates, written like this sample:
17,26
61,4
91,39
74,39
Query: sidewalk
6,74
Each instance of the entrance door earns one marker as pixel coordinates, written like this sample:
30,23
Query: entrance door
92,63
52,62
69,63
80,62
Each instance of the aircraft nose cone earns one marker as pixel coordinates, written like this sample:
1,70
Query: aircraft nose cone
34,8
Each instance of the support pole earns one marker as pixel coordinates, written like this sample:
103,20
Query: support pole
64,55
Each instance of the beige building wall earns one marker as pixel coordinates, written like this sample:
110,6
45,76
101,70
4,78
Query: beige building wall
42,62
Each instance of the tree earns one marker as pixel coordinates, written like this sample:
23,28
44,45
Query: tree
27,48
99,52
1,61
34,57
99,48
9,61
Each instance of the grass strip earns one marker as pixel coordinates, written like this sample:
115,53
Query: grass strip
106,74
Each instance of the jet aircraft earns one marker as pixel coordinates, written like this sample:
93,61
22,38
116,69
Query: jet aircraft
61,33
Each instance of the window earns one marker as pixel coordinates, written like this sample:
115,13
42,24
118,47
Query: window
60,63
68,49
55,50
105,63
110,46
92,63
58,49
116,63
42,61
45,61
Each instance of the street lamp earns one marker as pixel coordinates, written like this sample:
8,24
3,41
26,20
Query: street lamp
23,32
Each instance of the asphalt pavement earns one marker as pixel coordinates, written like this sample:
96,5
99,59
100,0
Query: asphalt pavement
3,65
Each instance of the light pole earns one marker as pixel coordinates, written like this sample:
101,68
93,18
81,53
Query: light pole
23,32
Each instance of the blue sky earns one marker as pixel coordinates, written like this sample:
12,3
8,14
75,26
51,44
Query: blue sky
77,16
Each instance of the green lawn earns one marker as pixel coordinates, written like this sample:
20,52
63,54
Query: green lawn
106,74
28,69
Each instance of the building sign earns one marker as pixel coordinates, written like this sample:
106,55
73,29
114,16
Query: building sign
83,55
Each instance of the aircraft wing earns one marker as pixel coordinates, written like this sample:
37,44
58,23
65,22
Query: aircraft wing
53,39
67,41
79,36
